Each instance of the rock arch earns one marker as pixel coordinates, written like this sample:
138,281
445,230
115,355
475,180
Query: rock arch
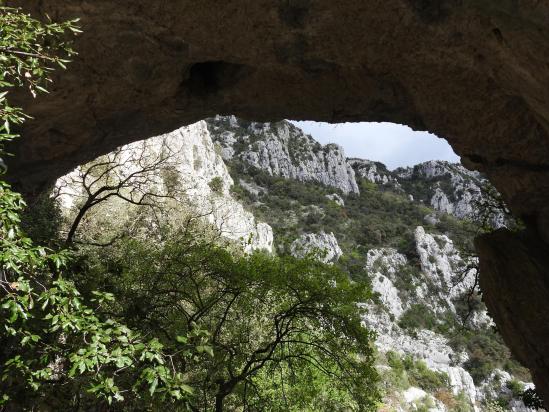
474,72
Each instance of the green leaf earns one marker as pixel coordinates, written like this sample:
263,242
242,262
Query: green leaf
181,339
152,387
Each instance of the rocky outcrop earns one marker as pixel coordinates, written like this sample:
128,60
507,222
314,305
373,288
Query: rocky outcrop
186,158
281,149
321,246
447,271
337,199
384,265
374,172
443,277
496,386
451,188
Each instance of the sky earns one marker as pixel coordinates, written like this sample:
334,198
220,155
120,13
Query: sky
392,144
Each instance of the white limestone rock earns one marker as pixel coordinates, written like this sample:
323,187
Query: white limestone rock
462,196
281,149
416,397
322,246
382,265
496,387
440,202
374,172
190,156
431,219
338,200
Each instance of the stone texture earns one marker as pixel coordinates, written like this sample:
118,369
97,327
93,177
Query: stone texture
321,246
474,72
374,172
441,280
338,200
193,163
514,279
455,190
282,149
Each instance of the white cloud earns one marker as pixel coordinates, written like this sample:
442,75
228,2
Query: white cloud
392,144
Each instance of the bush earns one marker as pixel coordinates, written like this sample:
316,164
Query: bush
531,399
486,353
516,387
417,317
216,184
420,375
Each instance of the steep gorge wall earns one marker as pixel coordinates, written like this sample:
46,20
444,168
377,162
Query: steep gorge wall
474,72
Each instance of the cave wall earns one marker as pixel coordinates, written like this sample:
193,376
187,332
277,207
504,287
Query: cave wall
475,72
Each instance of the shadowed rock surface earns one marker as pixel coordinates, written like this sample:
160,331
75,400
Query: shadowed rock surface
514,271
474,72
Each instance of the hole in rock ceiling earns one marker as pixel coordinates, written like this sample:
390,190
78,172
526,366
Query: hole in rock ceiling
392,144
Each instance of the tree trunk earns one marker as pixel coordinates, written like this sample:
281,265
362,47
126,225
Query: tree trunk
219,398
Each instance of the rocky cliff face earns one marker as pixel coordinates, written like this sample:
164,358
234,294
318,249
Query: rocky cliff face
440,283
375,172
322,246
452,189
281,149
184,166
422,280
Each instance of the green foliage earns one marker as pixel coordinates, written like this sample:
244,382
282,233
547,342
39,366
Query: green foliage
277,325
378,217
516,387
216,184
41,220
494,406
454,403
375,218
419,316
51,335
531,399
416,373
420,375
487,352
301,388
29,51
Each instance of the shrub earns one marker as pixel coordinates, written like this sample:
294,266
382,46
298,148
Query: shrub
419,316
531,399
420,375
216,184
516,387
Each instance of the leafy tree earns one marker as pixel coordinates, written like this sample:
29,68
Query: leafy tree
285,333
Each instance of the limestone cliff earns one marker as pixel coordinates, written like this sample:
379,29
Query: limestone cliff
375,172
182,165
422,280
322,246
451,188
281,149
